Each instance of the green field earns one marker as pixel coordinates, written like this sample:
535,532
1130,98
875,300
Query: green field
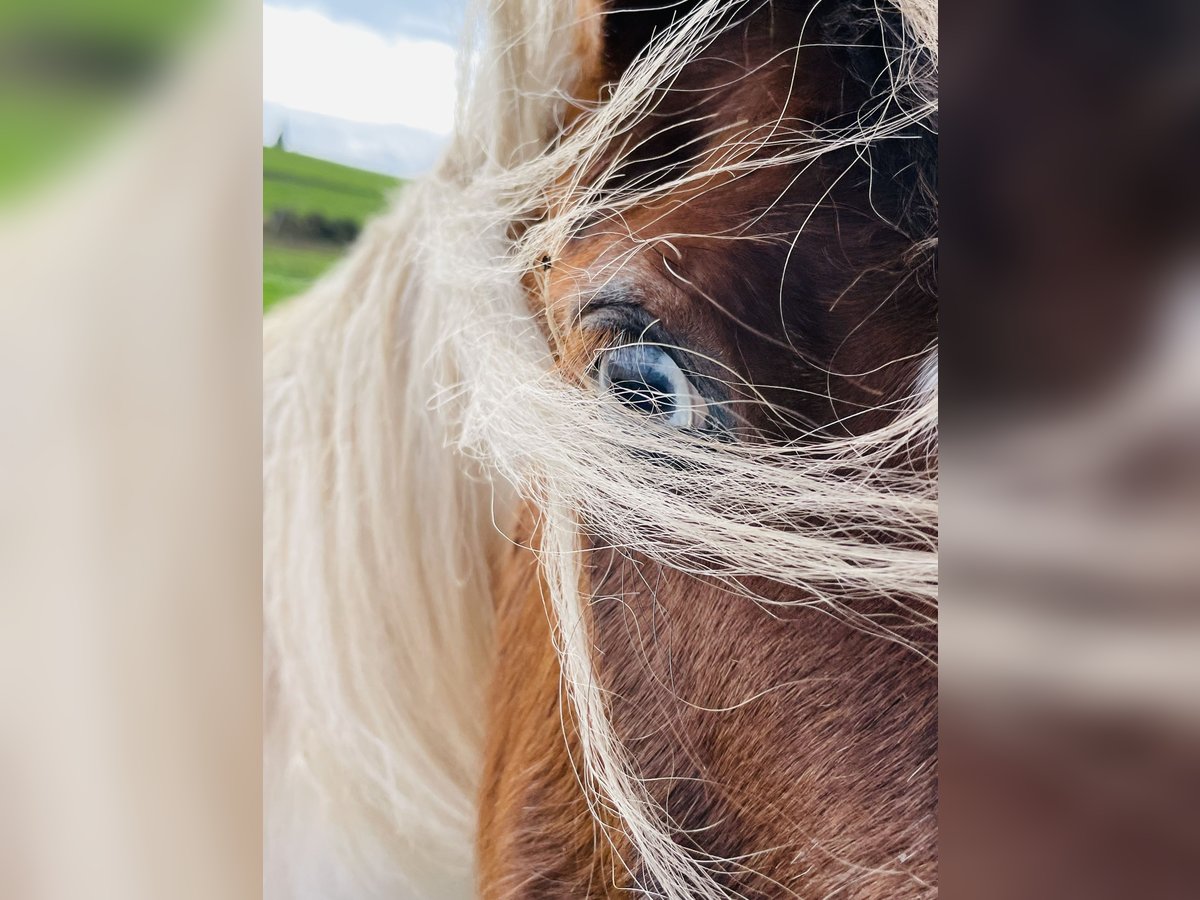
305,186
288,269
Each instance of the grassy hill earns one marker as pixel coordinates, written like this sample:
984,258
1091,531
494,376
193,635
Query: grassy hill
307,186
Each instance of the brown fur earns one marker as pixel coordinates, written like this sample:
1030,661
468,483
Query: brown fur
780,737
537,836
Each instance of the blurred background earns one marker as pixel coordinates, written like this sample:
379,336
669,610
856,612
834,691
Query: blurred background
358,96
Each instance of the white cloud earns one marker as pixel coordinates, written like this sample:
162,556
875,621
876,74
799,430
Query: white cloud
314,64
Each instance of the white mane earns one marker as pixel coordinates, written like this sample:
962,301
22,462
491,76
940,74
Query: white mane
409,400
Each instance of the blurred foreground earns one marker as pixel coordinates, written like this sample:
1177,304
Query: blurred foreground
1070,347
130,273
130,279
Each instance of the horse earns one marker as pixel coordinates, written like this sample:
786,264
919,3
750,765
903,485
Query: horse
600,481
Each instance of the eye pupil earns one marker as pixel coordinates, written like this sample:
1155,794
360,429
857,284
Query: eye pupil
645,397
647,380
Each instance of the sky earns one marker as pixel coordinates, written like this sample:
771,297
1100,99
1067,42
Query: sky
364,82
433,19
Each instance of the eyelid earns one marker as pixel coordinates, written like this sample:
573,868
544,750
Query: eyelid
629,323
622,318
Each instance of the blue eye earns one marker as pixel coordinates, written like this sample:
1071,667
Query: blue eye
646,379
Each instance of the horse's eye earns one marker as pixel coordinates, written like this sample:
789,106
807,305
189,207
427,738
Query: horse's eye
645,378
